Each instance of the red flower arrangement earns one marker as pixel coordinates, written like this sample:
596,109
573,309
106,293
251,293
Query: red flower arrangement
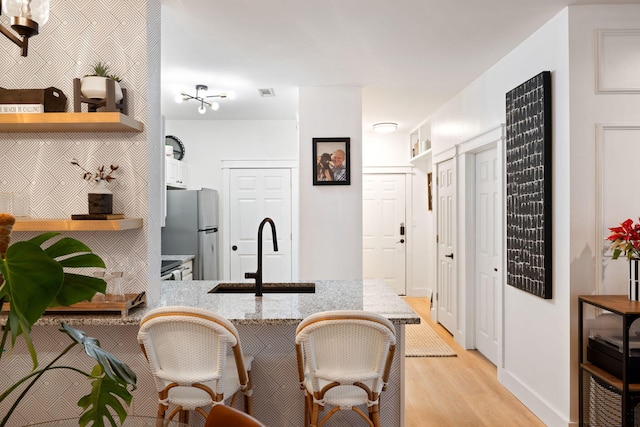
625,240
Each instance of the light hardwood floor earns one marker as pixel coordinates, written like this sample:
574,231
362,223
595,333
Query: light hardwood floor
458,391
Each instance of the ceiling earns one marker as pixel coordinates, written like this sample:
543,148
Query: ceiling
409,56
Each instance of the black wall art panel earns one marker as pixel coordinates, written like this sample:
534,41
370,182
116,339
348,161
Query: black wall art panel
528,170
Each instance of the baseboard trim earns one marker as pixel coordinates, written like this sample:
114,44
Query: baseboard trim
531,400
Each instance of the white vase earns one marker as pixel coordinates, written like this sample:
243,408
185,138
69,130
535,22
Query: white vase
96,87
100,199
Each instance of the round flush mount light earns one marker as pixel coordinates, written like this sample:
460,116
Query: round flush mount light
385,127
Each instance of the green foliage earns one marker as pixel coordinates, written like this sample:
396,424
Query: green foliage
33,278
105,392
101,69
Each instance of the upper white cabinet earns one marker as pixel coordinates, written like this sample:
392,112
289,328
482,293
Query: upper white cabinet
177,173
420,140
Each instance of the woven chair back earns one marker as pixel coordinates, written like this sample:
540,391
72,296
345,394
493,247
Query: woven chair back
346,346
186,345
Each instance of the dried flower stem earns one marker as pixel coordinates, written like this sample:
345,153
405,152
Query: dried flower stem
102,173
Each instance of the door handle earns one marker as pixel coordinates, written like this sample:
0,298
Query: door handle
449,256
234,248
400,241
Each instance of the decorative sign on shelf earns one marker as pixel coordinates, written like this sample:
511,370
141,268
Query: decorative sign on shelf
21,108
528,174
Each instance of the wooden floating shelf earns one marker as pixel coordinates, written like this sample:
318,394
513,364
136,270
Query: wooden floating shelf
76,225
69,122
609,378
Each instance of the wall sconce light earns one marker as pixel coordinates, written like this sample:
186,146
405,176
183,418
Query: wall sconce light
385,127
27,16
202,99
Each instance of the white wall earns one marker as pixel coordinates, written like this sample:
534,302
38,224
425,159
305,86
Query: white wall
535,360
385,149
590,107
209,142
539,359
330,216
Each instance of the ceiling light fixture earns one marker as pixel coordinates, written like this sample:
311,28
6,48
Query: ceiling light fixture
27,16
385,127
202,99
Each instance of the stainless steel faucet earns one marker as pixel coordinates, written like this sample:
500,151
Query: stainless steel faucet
258,274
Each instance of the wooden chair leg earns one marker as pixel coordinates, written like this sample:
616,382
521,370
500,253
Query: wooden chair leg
162,409
375,415
248,400
315,415
184,416
307,408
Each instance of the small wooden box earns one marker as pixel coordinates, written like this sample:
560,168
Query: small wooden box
53,99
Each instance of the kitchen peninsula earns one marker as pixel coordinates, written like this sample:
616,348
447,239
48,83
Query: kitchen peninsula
267,327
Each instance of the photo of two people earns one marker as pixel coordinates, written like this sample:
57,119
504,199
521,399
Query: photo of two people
331,161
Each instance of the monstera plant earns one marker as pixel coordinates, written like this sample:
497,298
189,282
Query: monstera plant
46,272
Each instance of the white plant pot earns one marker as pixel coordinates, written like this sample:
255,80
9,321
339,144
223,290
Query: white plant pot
96,87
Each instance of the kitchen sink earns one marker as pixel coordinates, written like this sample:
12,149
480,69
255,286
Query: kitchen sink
270,288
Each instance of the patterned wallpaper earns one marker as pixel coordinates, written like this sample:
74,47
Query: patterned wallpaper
126,35
77,35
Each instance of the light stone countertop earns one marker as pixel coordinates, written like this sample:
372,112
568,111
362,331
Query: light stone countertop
272,308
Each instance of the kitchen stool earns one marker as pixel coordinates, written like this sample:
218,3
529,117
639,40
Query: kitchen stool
187,351
344,359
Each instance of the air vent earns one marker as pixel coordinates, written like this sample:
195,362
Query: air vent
266,92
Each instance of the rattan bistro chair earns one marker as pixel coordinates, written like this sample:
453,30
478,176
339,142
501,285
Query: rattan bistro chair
187,349
226,416
344,359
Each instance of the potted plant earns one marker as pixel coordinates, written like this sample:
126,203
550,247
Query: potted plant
100,198
95,85
625,241
34,275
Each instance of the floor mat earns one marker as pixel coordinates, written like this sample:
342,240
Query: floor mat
422,341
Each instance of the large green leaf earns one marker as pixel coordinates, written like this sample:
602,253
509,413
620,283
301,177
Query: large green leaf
71,253
67,246
82,260
78,288
32,279
113,367
105,393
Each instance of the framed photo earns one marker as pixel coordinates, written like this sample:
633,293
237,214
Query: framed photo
429,191
528,174
331,160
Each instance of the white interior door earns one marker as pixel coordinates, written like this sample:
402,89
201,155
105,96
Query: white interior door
446,226
383,229
255,194
487,276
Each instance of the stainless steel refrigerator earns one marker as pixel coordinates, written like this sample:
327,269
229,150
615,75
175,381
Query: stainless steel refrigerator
191,228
